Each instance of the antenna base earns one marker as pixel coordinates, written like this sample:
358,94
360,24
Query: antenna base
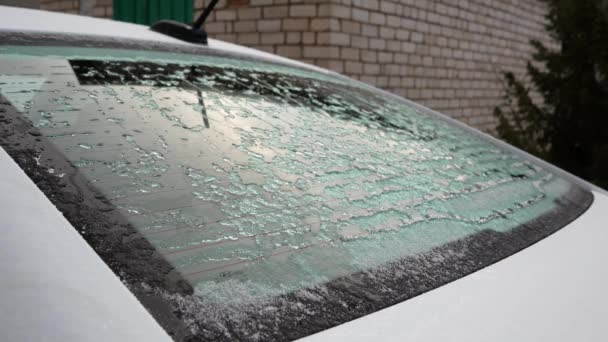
180,31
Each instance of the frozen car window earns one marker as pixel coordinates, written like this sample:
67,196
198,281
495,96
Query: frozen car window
248,200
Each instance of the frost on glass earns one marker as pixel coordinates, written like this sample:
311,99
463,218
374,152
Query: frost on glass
254,184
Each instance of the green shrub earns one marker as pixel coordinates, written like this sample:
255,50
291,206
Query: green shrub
569,127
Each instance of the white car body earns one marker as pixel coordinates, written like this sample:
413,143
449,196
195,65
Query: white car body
55,288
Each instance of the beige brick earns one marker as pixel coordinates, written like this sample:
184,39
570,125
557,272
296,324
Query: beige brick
416,37
302,10
290,51
333,38
393,45
350,54
273,38
369,4
248,38
385,57
218,27
292,24
388,7
321,52
408,24
360,15
353,67
422,26
324,10
225,15
332,64
394,82
369,79
393,21
293,38
360,42
371,68
308,37
387,33
369,56
226,37
377,18
269,25
266,48
350,27
402,34
369,30
276,11
334,25
320,24
343,12
249,13
334,11
243,26
377,44
382,82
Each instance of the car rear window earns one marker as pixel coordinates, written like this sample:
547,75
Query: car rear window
241,199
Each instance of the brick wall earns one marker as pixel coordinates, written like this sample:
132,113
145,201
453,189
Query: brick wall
67,6
103,8
445,54
100,8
